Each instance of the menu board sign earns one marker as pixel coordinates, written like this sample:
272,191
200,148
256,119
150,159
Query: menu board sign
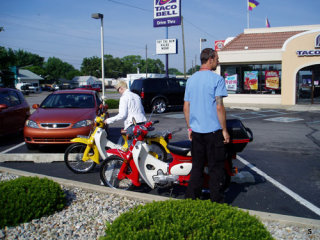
251,80
272,79
231,82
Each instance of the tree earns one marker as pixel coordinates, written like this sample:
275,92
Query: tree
23,58
91,66
193,70
73,73
57,69
174,71
7,58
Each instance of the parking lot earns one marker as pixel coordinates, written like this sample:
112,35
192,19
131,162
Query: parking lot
279,171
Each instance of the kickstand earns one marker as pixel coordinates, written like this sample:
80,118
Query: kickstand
171,190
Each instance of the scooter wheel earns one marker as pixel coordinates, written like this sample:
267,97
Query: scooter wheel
109,171
73,159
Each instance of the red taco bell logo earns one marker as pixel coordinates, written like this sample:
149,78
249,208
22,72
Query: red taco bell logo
163,2
218,45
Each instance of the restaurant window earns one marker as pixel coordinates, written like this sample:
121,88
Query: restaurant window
252,78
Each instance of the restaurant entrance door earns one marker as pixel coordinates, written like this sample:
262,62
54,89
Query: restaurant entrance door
308,85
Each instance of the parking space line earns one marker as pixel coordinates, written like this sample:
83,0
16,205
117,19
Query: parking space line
314,122
260,114
292,194
16,146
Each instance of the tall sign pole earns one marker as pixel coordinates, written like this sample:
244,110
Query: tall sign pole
167,13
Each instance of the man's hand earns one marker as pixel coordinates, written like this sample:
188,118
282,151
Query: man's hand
190,135
226,136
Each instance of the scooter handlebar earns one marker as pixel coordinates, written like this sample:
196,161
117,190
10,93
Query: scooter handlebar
250,133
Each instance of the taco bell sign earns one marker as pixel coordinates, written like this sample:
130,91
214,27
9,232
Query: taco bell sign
166,13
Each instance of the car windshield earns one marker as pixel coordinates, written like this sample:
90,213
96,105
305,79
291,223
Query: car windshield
68,100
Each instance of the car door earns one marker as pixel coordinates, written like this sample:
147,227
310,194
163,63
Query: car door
12,117
176,91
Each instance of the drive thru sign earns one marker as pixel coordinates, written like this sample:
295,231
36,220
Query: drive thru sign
166,13
166,46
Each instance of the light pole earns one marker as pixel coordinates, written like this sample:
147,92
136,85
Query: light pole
201,41
100,16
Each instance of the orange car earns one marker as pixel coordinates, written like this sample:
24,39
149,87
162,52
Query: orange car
14,111
62,116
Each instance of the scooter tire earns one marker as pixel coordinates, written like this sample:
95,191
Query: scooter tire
73,159
109,170
158,151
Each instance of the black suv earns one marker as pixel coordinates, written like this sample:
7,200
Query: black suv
160,92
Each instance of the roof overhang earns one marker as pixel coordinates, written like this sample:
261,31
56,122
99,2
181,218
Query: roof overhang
246,56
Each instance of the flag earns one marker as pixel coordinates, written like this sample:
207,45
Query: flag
267,23
252,4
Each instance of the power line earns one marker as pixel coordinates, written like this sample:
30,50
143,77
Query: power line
147,10
129,5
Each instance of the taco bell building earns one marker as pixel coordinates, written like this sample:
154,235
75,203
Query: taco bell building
278,65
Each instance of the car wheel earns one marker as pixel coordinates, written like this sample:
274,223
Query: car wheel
31,146
159,105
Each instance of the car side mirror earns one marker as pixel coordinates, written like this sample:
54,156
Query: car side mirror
3,106
35,106
103,107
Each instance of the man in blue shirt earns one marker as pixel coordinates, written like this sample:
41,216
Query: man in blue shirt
207,129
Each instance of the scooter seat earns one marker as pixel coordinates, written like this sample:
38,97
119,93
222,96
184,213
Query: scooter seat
153,134
180,148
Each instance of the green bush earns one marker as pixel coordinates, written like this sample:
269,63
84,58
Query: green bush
27,198
186,219
112,103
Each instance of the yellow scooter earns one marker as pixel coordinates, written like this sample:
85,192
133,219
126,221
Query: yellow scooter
87,151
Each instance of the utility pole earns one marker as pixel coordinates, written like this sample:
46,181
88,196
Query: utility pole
146,60
184,49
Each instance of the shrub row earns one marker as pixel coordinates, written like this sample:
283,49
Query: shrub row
112,103
27,198
186,219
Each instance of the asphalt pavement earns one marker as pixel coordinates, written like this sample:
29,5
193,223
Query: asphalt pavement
279,170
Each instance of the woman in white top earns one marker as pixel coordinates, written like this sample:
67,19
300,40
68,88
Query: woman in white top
129,106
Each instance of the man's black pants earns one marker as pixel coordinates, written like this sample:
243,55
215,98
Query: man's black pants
207,148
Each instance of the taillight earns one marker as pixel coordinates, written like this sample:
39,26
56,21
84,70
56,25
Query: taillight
142,93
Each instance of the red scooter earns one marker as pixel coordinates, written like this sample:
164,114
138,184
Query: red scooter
124,169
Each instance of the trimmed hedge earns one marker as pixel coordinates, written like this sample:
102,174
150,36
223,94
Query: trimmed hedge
186,219
112,103
27,198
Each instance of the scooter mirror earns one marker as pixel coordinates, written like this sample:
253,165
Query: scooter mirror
134,121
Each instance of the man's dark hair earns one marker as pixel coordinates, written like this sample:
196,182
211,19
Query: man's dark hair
206,54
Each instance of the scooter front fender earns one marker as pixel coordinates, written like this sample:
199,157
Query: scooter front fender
95,157
80,140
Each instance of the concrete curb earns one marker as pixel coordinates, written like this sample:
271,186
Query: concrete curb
35,157
264,216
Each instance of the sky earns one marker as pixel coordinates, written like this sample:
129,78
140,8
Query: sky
64,28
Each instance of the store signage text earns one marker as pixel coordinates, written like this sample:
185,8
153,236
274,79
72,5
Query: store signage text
167,46
166,13
307,53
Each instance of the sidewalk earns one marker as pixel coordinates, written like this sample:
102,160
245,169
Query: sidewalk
258,107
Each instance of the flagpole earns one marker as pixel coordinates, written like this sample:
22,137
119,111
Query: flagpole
248,17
